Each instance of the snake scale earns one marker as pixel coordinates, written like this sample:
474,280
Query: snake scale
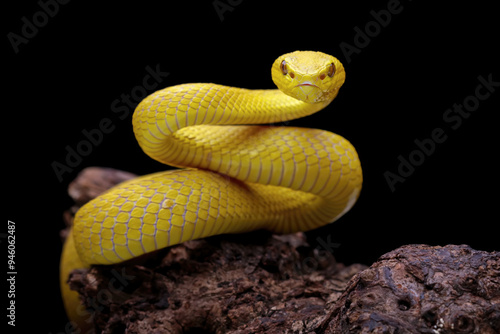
235,177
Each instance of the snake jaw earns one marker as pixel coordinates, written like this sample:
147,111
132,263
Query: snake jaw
307,91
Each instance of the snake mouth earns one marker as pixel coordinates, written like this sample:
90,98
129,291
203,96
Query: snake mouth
307,83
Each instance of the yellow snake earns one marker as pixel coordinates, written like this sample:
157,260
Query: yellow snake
236,177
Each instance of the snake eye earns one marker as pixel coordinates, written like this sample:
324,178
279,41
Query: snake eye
283,68
331,70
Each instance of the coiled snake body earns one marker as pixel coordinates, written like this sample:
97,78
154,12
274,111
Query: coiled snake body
236,178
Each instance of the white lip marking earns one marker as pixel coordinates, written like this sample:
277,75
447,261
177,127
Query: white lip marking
307,83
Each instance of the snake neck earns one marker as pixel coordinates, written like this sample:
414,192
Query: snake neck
158,117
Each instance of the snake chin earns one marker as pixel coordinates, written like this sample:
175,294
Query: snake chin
307,92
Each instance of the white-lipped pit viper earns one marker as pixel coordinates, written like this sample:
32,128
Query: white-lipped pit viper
236,177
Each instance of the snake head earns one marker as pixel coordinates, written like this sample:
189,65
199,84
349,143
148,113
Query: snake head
308,75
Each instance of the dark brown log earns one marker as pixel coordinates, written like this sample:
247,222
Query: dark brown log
252,283
422,289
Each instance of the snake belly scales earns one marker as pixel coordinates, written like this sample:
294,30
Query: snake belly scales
236,177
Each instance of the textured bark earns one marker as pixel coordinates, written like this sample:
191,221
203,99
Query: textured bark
253,283
263,283
422,289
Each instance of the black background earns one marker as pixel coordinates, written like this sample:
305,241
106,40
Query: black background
65,79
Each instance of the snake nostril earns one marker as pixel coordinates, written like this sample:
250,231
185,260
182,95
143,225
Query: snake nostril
292,75
322,76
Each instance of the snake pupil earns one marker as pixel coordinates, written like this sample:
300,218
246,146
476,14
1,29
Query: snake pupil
283,68
331,70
